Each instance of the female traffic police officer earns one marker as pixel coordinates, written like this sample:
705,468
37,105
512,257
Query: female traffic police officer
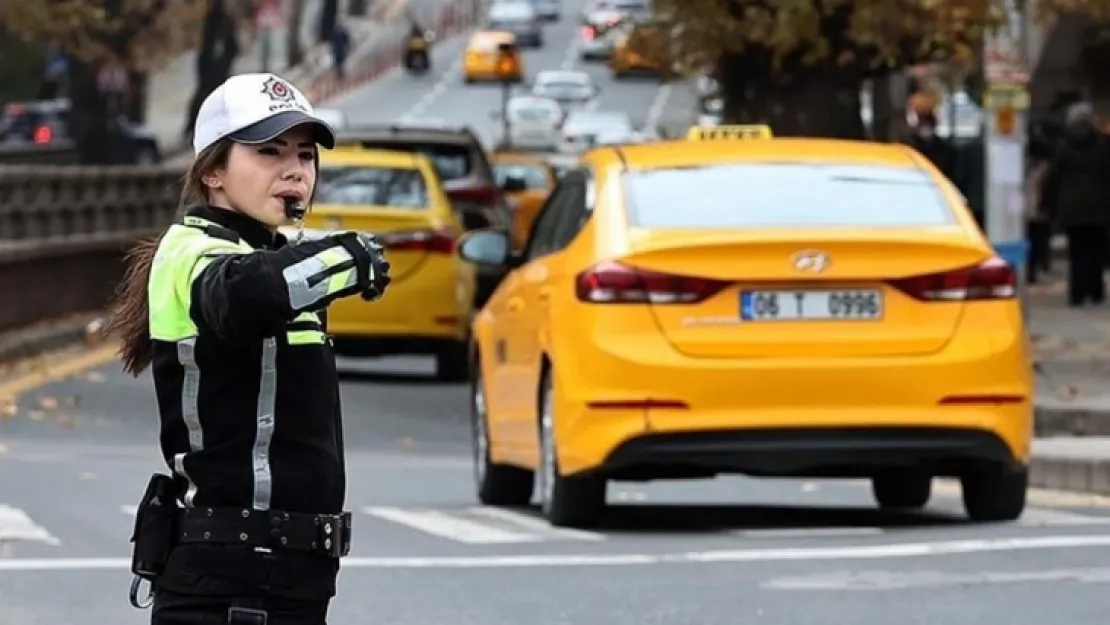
230,318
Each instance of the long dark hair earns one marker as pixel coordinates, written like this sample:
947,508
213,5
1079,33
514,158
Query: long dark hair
129,320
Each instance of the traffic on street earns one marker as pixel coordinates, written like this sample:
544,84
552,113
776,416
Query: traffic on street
462,515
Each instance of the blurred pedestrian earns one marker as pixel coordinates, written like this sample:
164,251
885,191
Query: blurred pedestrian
1076,196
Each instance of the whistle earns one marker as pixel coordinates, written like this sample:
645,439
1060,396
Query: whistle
294,209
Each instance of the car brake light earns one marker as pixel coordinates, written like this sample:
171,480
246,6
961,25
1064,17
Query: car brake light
43,135
993,279
434,241
613,283
588,32
478,195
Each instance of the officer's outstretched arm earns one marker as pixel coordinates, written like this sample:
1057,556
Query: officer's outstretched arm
246,296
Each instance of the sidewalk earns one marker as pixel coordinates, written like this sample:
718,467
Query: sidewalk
1072,352
374,49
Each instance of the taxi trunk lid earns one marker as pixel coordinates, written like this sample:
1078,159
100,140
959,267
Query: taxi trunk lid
736,294
409,236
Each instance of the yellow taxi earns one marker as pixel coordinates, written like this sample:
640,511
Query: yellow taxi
641,48
493,55
770,307
398,197
526,180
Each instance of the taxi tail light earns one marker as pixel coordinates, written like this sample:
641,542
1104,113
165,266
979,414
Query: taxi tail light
613,283
477,195
433,241
993,279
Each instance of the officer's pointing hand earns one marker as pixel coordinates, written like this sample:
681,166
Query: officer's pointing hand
379,268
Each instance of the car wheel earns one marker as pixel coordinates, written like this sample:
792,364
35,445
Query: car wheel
453,362
995,491
496,484
577,501
907,490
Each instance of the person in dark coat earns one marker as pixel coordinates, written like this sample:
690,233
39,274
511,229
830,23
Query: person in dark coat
1076,196
937,149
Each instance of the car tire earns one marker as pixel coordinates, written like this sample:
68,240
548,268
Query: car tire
496,484
453,362
995,492
902,490
577,501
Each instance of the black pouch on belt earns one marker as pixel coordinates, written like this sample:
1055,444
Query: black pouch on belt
155,528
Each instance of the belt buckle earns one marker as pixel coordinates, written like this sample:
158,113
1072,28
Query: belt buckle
335,535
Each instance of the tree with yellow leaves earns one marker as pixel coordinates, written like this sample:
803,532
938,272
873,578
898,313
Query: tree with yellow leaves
799,65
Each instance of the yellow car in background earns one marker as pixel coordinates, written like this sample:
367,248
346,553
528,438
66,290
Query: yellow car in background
642,48
484,54
770,307
398,197
526,181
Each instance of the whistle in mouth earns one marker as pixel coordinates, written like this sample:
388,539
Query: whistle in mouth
294,208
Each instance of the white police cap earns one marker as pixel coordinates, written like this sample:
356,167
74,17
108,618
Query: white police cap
255,108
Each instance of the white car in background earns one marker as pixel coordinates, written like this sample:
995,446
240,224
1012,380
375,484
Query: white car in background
534,123
569,88
581,129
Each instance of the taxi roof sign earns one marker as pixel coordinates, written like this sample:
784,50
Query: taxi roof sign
729,133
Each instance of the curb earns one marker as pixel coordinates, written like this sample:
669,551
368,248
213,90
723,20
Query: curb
1077,475
44,337
1053,421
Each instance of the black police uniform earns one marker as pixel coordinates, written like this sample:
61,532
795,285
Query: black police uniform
249,402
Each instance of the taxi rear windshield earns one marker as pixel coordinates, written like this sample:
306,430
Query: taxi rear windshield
777,195
372,186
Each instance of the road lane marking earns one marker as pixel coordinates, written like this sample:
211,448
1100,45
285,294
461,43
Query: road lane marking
443,525
533,524
809,532
12,389
898,580
847,552
658,105
17,525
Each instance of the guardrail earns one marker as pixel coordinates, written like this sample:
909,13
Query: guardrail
63,154
64,230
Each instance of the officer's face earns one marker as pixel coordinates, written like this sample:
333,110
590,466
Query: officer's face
259,177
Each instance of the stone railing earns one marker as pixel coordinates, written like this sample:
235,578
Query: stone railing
64,230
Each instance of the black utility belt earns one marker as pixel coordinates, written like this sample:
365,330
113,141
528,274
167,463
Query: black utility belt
323,534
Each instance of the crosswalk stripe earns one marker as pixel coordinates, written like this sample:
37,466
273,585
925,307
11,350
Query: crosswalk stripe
450,527
16,525
532,524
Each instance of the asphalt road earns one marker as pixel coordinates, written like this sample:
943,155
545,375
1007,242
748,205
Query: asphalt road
442,95
75,458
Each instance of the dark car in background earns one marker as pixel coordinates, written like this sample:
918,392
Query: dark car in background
48,124
460,159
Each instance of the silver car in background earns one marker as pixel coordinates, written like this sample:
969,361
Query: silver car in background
549,10
581,129
569,88
598,35
520,18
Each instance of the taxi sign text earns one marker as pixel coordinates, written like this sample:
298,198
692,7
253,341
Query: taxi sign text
729,133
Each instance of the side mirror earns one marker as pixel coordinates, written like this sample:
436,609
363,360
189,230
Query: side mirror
485,247
513,184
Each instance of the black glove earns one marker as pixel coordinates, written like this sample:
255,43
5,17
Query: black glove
379,268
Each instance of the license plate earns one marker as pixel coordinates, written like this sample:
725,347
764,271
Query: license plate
861,304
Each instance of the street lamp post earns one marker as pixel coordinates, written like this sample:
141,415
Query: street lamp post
506,73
